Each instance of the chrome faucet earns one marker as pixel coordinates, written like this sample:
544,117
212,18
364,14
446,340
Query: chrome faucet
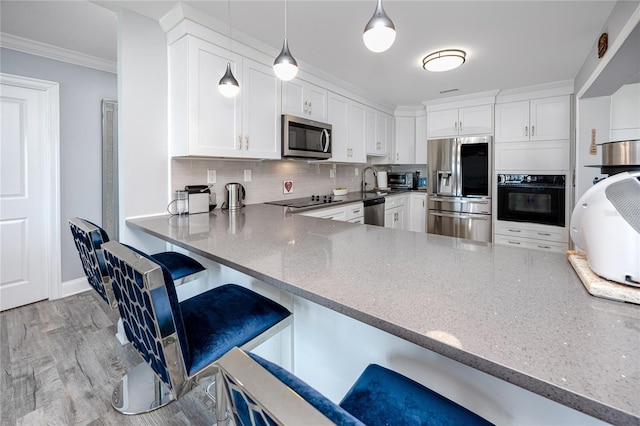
364,172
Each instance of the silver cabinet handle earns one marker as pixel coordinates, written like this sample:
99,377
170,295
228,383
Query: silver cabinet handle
239,142
533,130
514,230
544,247
306,107
455,125
546,234
246,143
514,242
356,211
460,125
526,130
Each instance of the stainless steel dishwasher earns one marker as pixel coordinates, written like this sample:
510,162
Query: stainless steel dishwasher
374,211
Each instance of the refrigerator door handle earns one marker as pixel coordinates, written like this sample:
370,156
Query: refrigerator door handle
459,200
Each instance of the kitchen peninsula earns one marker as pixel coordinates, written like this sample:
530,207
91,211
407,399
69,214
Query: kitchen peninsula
519,315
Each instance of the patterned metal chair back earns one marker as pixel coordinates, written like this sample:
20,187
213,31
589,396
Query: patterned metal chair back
89,239
150,311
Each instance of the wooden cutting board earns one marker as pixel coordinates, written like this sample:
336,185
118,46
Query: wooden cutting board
601,287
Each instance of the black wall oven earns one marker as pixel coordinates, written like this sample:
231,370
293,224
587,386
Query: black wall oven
532,198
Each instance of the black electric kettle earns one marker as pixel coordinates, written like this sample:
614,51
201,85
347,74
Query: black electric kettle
235,195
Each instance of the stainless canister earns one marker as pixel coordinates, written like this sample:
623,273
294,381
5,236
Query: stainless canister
621,153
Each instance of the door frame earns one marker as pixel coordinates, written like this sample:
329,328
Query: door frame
51,199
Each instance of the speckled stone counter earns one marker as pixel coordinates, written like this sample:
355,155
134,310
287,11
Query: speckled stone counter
520,315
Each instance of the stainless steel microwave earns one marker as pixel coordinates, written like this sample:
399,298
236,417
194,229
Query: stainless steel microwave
303,138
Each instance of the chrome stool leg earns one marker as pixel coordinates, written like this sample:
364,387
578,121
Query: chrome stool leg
140,391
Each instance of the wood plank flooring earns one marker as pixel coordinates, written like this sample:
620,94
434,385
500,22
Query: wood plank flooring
60,361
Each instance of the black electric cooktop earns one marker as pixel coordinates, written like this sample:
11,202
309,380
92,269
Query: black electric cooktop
311,201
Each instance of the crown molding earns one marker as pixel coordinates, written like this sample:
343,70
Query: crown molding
10,41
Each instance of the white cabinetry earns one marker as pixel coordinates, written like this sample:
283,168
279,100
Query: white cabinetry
473,120
421,139
205,123
304,99
417,212
396,211
533,135
625,113
347,119
405,140
353,213
378,134
531,235
535,120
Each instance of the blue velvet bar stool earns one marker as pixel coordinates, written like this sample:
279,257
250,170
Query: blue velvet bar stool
180,341
260,392
89,237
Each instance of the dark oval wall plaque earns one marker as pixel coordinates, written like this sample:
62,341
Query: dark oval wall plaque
603,44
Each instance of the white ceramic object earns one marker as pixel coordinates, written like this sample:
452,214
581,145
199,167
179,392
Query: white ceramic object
340,191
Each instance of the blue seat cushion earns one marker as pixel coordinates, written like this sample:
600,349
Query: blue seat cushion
178,264
331,410
223,317
382,397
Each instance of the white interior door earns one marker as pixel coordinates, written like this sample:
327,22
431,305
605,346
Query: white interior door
29,218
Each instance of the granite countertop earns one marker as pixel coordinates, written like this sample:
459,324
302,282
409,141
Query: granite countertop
520,315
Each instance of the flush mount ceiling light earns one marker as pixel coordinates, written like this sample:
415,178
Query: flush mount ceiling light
228,84
285,66
444,60
379,33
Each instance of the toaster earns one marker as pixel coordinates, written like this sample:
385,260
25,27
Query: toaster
605,223
198,198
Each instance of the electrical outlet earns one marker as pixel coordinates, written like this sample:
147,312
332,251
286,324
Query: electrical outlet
247,175
357,171
332,173
211,177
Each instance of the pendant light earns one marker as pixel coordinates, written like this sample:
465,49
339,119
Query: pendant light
228,84
379,33
285,66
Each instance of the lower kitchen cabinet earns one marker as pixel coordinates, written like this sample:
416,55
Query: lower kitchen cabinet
396,211
353,213
417,212
532,236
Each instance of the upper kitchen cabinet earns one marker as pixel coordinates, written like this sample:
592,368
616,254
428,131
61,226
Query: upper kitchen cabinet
625,113
421,139
378,134
533,120
466,121
348,122
205,123
304,99
404,152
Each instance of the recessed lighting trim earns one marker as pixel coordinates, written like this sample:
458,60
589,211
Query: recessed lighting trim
444,60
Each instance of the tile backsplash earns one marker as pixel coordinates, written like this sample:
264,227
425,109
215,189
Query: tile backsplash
267,177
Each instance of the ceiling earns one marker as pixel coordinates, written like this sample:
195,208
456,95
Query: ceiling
509,44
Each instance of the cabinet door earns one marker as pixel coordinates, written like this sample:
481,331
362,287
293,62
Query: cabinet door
475,120
549,118
357,130
389,131
261,115
390,218
370,133
338,114
442,123
214,126
293,98
512,122
417,212
405,140
421,140
316,98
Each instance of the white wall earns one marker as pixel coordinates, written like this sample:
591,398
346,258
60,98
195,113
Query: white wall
593,113
81,93
143,124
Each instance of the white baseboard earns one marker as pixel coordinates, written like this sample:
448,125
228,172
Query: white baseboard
72,287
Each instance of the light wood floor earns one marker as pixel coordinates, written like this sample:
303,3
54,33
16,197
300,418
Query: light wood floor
60,361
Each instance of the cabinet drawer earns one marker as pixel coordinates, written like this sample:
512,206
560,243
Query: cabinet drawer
393,202
353,211
552,235
337,213
551,246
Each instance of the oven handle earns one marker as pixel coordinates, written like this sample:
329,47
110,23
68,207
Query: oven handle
460,215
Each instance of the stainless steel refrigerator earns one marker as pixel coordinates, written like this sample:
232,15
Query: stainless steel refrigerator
459,171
